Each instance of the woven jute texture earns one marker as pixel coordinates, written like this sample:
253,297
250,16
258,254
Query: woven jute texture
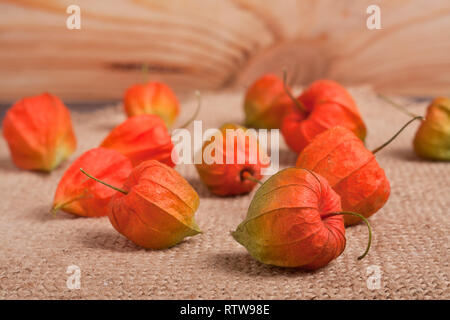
410,251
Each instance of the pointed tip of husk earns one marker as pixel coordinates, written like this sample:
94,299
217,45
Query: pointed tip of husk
61,205
195,228
55,209
237,236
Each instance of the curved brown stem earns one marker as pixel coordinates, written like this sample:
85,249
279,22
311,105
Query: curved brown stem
247,175
397,106
299,105
106,184
395,135
369,242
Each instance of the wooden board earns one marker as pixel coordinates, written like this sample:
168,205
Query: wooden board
216,44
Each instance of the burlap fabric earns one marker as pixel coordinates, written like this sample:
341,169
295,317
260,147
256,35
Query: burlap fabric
410,246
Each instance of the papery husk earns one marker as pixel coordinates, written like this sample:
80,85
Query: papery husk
286,224
79,195
152,98
141,138
353,172
158,210
326,104
227,179
266,103
432,139
39,132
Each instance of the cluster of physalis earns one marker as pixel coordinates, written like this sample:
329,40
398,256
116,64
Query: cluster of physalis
296,218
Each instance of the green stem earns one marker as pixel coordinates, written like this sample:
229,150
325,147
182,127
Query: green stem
363,219
247,175
199,104
108,185
299,105
395,135
397,106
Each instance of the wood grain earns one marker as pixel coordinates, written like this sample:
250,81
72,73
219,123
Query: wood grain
213,45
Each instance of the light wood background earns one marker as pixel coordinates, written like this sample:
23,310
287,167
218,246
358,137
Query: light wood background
217,44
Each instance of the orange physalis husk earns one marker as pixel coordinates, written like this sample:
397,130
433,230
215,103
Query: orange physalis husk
294,220
353,172
152,98
155,207
232,177
141,138
39,132
266,103
340,156
432,139
82,196
323,105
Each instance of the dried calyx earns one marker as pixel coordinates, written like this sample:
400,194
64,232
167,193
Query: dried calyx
155,207
432,139
295,220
